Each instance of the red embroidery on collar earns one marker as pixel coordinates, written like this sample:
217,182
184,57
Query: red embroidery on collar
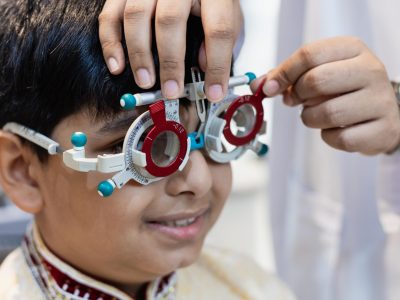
42,269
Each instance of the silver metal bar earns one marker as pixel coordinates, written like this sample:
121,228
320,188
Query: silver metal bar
191,91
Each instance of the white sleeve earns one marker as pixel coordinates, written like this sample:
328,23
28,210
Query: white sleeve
389,191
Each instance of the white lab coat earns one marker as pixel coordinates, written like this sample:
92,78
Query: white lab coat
328,236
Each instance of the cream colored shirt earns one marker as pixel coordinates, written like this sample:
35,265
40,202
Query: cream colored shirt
216,275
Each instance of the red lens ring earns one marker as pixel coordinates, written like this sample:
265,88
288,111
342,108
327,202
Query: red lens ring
161,125
243,100
253,100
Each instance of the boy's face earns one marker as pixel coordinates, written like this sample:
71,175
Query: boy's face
131,236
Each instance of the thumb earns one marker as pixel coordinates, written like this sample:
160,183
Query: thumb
275,82
271,86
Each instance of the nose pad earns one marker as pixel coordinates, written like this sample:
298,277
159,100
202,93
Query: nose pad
195,178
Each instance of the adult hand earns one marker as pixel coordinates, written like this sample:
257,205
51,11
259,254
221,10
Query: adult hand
222,24
345,92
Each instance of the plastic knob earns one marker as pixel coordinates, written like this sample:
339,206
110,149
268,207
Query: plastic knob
251,76
196,144
128,102
264,150
78,139
105,188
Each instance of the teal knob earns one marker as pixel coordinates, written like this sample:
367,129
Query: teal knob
105,188
264,150
196,143
251,76
78,139
128,102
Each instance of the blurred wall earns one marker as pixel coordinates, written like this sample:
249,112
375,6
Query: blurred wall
244,224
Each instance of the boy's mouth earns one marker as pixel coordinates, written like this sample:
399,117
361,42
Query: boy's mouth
183,226
178,223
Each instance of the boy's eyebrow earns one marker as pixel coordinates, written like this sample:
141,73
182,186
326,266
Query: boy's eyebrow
118,123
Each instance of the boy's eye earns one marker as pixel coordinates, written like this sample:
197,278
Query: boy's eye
114,148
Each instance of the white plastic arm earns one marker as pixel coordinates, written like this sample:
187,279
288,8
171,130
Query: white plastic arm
37,138
76,160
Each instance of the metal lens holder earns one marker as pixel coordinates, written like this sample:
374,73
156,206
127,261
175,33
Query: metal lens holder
156,144
137,162
226,141
162,117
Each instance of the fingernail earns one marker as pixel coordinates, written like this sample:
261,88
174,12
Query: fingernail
113,64
215,92
171,89
271,88
143,78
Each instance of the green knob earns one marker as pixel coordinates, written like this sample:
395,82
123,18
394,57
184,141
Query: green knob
264,150
105,188
78,139
251,76
128,102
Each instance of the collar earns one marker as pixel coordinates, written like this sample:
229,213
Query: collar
58,280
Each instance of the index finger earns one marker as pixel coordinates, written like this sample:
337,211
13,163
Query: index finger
171,20
219,29
307,58
110,32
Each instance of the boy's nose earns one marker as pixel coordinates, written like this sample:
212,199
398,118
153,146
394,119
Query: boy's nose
194,179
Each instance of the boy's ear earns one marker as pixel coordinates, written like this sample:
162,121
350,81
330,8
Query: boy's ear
17,174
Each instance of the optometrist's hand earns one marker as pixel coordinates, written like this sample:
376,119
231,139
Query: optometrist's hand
344,90
221,21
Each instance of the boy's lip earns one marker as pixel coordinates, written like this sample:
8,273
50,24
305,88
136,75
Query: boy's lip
187,232
178,216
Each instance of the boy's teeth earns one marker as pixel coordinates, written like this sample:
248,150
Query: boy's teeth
179,223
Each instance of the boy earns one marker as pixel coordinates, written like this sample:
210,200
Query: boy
130,246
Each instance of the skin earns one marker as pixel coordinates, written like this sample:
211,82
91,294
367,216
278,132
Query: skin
344,91
109,238
222,22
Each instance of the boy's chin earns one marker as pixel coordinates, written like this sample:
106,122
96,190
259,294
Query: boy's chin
185,258
189,261
170,265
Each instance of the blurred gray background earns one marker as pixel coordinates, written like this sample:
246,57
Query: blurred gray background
12,226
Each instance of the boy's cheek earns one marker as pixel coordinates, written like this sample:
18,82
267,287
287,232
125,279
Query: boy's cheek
222,178
222,186
72,200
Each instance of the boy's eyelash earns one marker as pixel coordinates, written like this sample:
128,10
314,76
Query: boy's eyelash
114,148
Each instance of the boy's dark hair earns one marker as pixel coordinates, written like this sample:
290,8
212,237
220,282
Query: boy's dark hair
52,64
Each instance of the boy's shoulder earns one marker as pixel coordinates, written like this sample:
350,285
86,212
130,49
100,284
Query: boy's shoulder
223,274
16,280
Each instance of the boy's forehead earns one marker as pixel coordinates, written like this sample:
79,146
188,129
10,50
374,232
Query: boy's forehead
92,124
117,122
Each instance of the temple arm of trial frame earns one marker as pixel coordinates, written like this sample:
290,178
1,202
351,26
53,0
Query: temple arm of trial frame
37,138
74,158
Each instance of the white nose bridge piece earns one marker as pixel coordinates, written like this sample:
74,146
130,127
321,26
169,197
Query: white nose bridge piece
157,144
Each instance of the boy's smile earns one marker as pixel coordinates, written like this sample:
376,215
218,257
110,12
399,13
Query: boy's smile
180,225
140,232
